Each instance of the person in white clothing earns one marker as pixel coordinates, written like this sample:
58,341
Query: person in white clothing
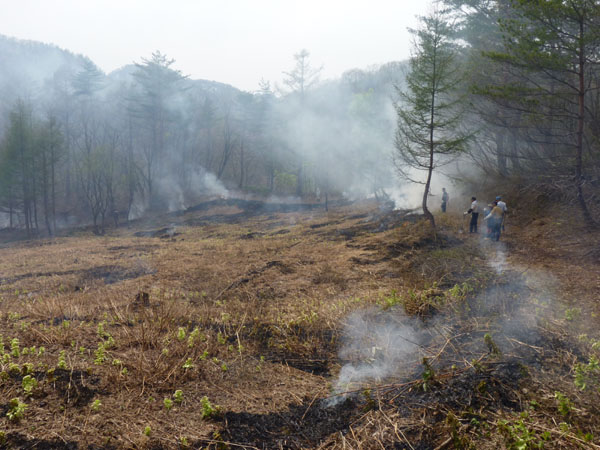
474,211
504,209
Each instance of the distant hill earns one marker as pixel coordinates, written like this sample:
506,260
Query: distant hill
27,65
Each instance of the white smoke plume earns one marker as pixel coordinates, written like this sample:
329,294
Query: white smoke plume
376,345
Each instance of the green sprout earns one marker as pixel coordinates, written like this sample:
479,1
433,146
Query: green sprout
100,356
96,405
29,383
178,396
181,333
208,410
16,410
62,362
14,348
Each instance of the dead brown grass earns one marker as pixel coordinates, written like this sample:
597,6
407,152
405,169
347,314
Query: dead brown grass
247,314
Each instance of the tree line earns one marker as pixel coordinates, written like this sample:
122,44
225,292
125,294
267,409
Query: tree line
91,148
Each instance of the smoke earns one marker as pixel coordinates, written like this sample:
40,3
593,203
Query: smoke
497,260
206,183
176,194
376,345
380,344
170,193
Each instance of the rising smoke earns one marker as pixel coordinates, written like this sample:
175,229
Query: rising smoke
379,344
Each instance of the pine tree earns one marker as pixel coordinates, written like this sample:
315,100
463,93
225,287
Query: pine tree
430,111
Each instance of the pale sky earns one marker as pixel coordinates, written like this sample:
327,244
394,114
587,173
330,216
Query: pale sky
232,41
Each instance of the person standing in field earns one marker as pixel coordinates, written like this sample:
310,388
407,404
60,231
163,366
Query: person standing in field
494,219
504,209
474,211
444,199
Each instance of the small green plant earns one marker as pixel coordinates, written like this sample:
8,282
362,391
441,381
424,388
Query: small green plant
518,436
168,403
208,410
14,348
454,424
428,374
370,403
29,384
16,410
572,314
391,300
221,339
100,354
491,345
564,405
587,374
96,404
261,361
147,431
109,342
178,396
101,331
188,364
62,362
193,336
181,333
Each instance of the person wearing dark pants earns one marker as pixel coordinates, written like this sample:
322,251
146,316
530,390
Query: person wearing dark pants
444,199
474,211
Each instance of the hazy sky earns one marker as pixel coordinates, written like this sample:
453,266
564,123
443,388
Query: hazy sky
232,41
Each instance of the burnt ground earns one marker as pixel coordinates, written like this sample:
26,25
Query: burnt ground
255,313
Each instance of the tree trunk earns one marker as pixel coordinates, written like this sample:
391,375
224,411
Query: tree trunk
426,211
579,180
45,193
501,152
53,187
242,166
299,181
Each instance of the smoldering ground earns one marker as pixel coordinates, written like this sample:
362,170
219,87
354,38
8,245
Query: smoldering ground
505,319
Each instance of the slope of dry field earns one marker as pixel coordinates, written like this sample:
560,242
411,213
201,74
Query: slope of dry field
243,325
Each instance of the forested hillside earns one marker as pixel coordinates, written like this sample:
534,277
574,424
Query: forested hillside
80,146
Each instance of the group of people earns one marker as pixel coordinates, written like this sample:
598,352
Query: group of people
494,215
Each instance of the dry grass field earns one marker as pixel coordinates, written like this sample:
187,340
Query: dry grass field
232,326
